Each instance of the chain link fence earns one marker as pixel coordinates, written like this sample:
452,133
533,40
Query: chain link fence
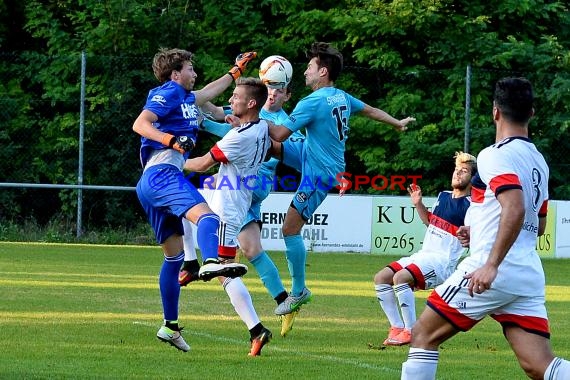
69,152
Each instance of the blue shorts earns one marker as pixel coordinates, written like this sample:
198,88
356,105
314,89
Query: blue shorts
166,195
314,185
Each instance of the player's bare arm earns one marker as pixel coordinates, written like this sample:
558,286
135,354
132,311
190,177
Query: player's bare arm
218,86
382,116
278,132
213,112
199,164
415,192
144,127
510,223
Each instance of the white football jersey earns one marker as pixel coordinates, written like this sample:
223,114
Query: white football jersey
513,163
240,154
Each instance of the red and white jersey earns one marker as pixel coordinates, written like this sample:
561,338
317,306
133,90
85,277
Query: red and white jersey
513,163
240,154
447,215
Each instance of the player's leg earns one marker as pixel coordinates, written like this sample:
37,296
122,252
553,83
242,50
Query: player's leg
533,351
441,320
428,333
191,266
296,255
207,235
243,305
168,231
383,281
525,325
404,288
250,243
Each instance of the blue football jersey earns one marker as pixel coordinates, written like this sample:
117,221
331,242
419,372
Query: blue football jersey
176,111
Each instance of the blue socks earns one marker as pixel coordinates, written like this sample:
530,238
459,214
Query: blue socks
268,273
169,286
207,236
296,258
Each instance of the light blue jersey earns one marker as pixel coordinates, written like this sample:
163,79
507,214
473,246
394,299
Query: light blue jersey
320,157
324,114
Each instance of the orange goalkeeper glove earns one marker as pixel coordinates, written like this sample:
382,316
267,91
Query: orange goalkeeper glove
182,144
241,62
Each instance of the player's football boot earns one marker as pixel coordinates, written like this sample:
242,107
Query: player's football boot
292,303
403,338
259,341
394,331
287,322
172,337
213,268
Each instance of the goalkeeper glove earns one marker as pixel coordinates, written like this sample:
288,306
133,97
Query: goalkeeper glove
241,62
182,144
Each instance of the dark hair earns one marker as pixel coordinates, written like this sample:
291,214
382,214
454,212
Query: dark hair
328,57
514,98
255,89
168,60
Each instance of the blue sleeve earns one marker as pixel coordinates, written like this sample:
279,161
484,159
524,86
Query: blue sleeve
215,128
356,105
302,114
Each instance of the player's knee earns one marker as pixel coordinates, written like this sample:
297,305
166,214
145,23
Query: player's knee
384,276
533,367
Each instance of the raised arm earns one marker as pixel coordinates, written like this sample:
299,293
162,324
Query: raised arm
218,86
416,196
382,116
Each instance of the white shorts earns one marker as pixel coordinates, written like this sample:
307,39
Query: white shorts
452,301
428,269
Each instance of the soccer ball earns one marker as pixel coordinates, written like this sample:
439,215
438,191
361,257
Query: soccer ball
276,71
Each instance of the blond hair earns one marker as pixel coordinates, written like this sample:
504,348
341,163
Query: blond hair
466,158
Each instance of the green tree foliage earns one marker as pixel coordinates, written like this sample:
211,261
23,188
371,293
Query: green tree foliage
405,57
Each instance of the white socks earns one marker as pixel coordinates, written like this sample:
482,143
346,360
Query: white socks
421,365
241,300
558,369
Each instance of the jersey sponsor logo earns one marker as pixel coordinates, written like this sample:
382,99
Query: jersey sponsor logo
301,197
338,98
158,99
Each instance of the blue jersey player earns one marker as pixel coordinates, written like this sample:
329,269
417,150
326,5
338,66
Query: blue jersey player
168,127
324,115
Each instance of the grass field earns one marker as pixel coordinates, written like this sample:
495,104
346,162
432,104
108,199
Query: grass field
92,312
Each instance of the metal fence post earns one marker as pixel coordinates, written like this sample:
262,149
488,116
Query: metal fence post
467,109
81,135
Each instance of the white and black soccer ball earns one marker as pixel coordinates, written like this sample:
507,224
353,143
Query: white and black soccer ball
276,71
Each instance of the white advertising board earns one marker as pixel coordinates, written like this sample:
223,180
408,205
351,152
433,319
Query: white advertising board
382,225
562,237
341,224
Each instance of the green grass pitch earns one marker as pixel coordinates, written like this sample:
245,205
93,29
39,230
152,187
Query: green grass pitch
92,312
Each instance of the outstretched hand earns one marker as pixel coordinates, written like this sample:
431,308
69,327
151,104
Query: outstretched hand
241,63
404,123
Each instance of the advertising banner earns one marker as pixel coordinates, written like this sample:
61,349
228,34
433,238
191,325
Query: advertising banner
396,226
562,223
383,225
341,224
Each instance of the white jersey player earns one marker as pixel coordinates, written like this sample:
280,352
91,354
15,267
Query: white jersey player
437,259
240,154
503,276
